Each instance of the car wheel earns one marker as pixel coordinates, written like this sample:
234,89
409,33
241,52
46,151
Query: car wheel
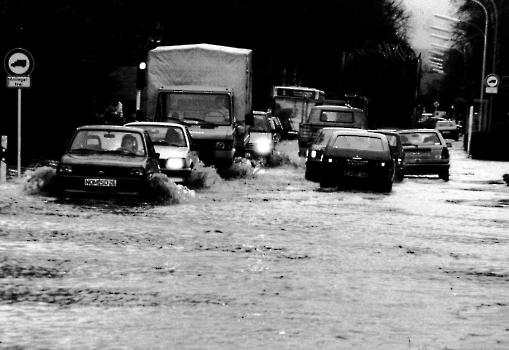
386,186
325,182
399,176
444,175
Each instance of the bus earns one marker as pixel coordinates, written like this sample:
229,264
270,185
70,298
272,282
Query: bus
291,104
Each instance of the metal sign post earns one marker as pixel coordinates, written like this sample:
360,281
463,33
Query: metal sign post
18,64
3,167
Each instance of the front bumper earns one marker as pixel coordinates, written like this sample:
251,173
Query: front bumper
124,186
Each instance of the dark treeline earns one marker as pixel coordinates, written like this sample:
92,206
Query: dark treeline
341,46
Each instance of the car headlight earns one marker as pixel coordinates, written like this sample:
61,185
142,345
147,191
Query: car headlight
65,169
263,147
175,163
137,172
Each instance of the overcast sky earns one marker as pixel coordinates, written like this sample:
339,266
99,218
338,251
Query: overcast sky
423,17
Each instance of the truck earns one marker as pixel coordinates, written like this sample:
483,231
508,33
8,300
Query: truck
209,89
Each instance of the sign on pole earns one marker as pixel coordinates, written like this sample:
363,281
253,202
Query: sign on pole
19,64
492,81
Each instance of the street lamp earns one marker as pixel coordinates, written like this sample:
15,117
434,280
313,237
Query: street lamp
485,34
483,63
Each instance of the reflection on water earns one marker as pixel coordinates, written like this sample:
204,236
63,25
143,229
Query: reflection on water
260,263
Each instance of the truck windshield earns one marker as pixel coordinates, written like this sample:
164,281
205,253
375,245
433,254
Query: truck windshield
206,107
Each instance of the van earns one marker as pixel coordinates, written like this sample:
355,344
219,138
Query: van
328,116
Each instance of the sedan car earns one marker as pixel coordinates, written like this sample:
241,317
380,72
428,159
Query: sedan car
357,155
108,159
261,142
397,151
174,144
426,152
315,151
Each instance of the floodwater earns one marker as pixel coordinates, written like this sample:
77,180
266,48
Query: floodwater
270,262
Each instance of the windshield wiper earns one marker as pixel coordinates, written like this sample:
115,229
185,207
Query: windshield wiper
201,121
85,150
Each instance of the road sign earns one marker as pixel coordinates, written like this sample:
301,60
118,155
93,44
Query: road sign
436,104
19,62
19,82
492,80
491,90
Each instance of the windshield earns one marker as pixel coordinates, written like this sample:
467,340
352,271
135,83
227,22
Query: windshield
420,139
199,107
165,135
261,123
286,107
108,140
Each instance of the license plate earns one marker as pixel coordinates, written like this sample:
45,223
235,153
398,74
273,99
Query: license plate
101,182
355,173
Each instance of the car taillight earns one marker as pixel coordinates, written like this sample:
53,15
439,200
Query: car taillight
65,169
445,153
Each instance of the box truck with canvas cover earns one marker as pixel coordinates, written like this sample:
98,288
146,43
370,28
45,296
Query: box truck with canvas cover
209,89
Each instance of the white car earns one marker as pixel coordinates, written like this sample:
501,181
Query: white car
174,144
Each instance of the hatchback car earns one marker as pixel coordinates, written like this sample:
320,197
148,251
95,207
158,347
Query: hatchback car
108,159
174,144
363,156
261,142
426,152
314,153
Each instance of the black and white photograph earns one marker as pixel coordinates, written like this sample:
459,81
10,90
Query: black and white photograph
240,174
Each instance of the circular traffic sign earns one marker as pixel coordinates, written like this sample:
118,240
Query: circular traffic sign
19,62
492,80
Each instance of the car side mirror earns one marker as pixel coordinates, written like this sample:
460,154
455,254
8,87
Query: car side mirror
156,155
448,144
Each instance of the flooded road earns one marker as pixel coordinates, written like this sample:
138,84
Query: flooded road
270,262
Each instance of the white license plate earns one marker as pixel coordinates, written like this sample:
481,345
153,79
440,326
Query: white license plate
101,182
355,173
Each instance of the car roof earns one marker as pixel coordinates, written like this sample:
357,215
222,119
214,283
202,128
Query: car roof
134,124
359,133
110,128
339,128
336,108
405,131
387,132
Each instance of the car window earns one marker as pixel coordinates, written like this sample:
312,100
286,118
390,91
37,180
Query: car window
336,117
107,140
358,142
165,135
260,123
420,138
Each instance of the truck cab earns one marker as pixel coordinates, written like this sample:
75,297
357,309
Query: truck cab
210,118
